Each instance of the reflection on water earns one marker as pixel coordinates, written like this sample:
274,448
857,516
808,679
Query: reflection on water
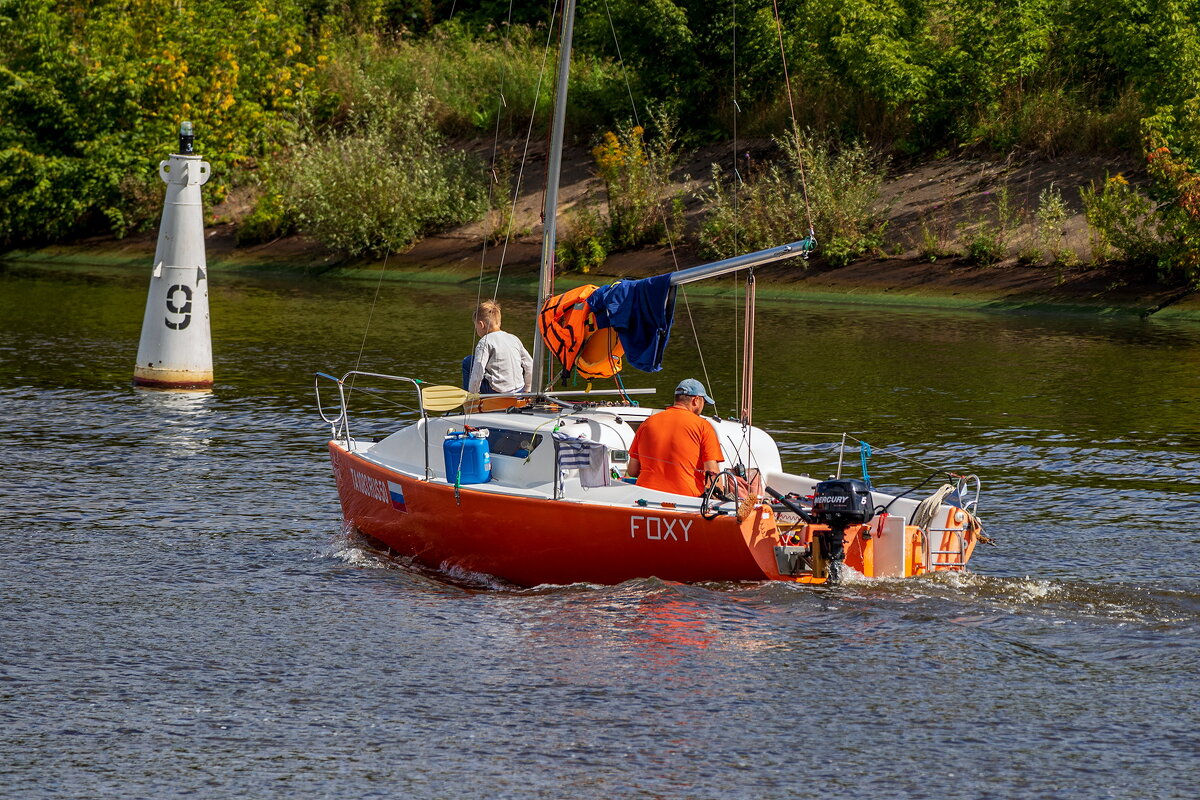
180,611
182,419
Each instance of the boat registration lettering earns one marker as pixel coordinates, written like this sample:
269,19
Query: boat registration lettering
659,528
370,486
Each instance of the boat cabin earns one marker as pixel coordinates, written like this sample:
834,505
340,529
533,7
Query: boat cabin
530,451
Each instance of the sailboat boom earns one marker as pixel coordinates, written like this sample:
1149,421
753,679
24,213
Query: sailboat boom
745,261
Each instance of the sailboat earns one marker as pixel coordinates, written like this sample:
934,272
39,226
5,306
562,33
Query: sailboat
531,487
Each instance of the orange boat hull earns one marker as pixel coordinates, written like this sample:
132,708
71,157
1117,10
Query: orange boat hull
531,541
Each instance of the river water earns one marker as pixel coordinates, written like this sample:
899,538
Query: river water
181,612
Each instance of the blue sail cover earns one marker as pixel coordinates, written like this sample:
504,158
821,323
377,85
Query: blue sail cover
641,312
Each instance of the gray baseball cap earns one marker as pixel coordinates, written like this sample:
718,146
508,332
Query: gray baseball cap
693,387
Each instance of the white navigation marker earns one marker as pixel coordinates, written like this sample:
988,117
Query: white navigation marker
175,351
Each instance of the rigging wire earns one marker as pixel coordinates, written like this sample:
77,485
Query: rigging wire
736,278
516,193
744,375
877,449
737,288
370,313
787,82
621,60
548,261
662,211
380,394
746,371
556,13
745,412
516,189
500,106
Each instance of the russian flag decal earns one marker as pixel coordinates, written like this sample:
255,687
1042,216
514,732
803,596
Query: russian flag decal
396,493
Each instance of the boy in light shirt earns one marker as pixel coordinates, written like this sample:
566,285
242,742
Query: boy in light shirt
500,363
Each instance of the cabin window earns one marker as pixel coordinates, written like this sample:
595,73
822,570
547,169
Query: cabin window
518,444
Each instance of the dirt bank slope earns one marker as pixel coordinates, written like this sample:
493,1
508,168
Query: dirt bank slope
932,203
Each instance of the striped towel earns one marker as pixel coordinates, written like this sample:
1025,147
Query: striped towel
573,453
590,458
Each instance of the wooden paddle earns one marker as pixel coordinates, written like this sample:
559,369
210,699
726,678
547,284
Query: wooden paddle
447,398
444,398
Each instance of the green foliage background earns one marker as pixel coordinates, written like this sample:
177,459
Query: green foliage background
91,94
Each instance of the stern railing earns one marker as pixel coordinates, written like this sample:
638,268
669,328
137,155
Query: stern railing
340,423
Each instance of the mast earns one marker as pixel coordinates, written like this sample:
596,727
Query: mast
553,171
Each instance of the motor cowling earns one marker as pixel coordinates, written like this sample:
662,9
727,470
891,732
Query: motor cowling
841,503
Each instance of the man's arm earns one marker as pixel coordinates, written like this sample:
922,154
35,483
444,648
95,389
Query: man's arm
710,449
634,467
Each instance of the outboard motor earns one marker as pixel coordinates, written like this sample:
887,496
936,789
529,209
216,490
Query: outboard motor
839,504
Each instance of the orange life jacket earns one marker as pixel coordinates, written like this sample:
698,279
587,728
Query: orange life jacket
568,327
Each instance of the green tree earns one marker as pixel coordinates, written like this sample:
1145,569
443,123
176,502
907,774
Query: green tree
91,96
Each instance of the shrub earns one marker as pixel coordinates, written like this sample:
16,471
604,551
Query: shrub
478,81
1051,217
769,208
934,239
636,174
1179,188
583,241
91,96
1057,119
270,219
1121,221
985,245
843,190
385,184
988,231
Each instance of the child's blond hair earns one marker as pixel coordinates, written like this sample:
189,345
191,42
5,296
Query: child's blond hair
488,313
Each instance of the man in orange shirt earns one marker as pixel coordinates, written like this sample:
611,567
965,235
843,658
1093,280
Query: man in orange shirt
674,449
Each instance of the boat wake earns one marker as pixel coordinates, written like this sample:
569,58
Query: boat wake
1078,600
356,549
1063,600
964,598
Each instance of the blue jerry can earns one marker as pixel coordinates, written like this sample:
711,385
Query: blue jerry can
467,456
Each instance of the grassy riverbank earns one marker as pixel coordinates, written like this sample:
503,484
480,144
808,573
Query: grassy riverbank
456,257
969,135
